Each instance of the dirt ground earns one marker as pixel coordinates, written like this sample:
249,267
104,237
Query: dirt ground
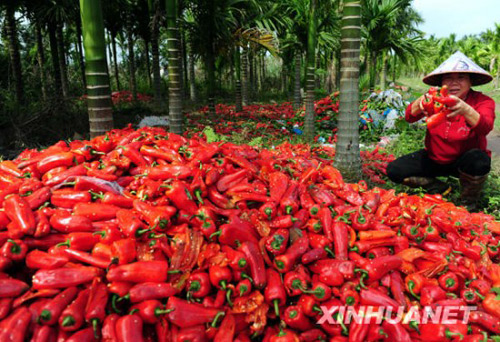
494,145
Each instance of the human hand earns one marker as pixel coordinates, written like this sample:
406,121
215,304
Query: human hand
420,102
460,108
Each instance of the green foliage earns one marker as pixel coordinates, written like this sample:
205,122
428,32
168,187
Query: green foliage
212,136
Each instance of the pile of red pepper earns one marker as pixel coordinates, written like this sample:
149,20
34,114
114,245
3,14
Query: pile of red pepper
436,104
143,235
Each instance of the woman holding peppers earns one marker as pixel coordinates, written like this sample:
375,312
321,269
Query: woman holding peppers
458,121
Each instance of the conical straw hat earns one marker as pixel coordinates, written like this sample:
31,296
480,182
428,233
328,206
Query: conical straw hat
458,62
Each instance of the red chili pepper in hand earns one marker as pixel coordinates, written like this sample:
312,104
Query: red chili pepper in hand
436,119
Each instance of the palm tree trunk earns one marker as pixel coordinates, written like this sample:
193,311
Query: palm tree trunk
131,59
14,55
258,74
497,78
96,68
347,156
383,80
394,68
62,59
185,80
174,74
283,78
81,61
192,78
309,130
148,64
155,51
296,89
55,60
244,77
318,78
237,66
373,70
210,66
251,76
40,55
115,60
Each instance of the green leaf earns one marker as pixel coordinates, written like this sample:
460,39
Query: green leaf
497,291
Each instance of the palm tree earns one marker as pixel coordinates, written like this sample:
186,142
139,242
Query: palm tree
13,45
155,11
347,156
311,59
174,72
96,68
387,24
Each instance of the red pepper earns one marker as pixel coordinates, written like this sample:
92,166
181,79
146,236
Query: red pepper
161,152
285,262
235,232
21,215
51,311
359,221
155,216
340,234
14,249
5,307
96,211
15,327
192,334
43,334
64,222
377,268
219,276
284,336
377,298
150,311
314,255
129,328
139,272
276,243
56,160
198,285
38,198
296,319
487,321
63,277
181,197
67,198
346,268
442,332
186,314
244,287
431,293
396,332
124,250
274,293
397,288
278,185
436,119
12,287
72,317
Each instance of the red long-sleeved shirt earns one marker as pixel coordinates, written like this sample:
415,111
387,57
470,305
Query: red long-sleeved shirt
450,139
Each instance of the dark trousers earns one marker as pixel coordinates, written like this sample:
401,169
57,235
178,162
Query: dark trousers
474,162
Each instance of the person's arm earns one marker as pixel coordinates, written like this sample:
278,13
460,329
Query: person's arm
415,110
480,118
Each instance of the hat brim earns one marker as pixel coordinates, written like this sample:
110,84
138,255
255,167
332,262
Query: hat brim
476,78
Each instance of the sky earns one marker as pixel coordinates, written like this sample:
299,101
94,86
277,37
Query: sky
462,17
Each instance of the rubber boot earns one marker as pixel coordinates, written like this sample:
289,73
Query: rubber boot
471,190
431,185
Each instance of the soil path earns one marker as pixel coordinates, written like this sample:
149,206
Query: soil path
494,138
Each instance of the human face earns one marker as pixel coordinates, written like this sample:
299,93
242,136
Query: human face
458,84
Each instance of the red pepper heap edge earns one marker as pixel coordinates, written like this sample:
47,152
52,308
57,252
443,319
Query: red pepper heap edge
143,235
